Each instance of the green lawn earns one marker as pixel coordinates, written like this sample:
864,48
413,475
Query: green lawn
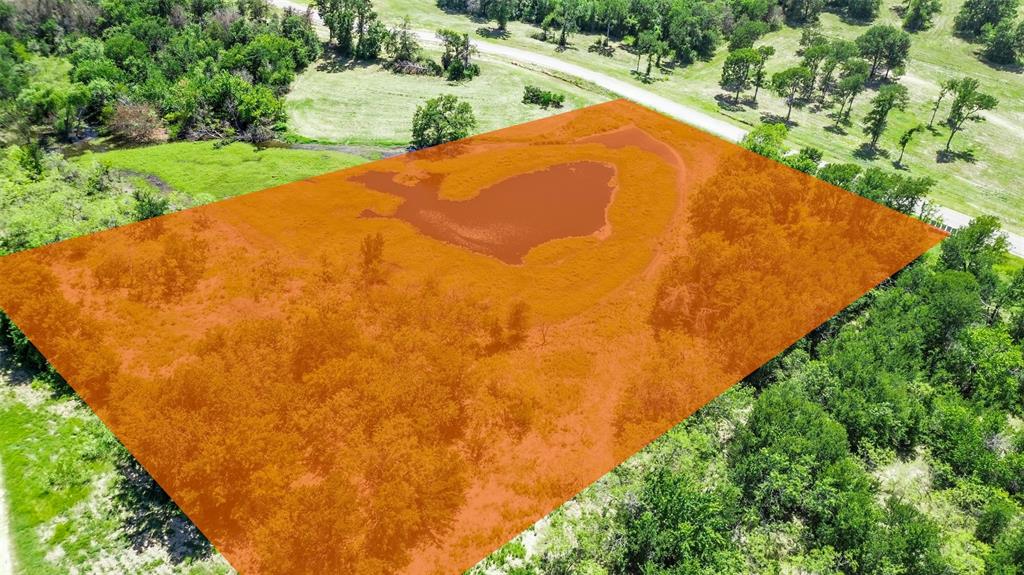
365,104
207,172
60,475
988,184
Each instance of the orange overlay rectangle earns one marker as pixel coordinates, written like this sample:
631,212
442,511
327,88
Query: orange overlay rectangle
400,366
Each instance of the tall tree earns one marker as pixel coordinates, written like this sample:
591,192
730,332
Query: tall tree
884,46
863,10
802,10
976,249
788,84
738,71
612,12
839,51
693,31
763,52
890,97
853,79
1004,42
968,102
975,14
500,11
944,89
918,14
566,17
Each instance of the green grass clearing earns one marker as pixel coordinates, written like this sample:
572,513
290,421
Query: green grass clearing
206,171
366,104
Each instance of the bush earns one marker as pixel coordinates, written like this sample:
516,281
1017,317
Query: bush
136,123
542,98
458,71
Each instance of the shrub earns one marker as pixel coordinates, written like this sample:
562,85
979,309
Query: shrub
542,98
136,123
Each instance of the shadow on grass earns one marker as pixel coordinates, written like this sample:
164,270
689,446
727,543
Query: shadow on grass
728,103
642,77
950,156
1011,68
152,518
836,129
868,152
603,49
773,118
492,33
335,62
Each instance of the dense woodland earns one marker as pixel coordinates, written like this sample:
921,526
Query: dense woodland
792,467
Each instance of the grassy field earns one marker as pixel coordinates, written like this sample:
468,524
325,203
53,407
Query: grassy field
207,172
365,104
981,185
60,477
57,456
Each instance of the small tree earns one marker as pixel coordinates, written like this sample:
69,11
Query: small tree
890,97
737,72
767,140
401,46
945,89
852,81
518,324
441,119
763,52
968,102
788,83
919,13
371,259
905,139
500,11
1003,42
455,60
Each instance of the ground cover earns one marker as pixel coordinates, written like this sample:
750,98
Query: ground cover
209,171
366,104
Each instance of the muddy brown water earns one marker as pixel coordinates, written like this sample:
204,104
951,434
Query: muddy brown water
507,219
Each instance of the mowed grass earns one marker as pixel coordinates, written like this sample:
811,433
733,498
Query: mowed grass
206,171
366,104
986,181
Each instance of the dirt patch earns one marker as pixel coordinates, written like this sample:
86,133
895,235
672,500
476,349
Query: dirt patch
508,219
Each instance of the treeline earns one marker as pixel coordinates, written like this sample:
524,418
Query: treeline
147,69
682,30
